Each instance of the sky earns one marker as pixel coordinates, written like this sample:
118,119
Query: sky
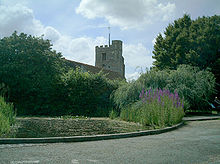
75,27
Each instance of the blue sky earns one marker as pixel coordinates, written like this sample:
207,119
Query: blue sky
75,27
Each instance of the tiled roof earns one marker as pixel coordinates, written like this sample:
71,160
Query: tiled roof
109,74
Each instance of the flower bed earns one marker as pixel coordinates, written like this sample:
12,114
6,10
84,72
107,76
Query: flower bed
35,127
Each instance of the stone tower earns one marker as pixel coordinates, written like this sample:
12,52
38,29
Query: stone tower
110,57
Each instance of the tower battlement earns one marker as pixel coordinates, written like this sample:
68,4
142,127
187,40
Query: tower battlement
110,57
115,43
102,46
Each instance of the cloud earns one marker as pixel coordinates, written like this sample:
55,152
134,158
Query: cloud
81,49
127,13
19,18
132,76
51,34
137,59
137,55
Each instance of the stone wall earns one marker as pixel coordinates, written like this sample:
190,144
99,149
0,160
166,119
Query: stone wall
110,57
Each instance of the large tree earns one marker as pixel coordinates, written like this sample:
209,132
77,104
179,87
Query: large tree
31,70
193,42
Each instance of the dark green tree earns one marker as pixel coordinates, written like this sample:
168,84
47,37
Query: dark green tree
193,42
31,70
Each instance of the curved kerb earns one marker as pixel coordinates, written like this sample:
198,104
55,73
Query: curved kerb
87,138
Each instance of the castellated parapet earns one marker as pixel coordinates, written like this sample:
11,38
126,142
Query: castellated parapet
110,57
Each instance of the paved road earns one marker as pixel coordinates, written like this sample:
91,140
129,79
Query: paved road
197,142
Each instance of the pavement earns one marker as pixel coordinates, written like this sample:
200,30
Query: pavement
104,137
197,142
201,118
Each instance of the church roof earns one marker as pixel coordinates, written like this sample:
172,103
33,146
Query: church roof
109,74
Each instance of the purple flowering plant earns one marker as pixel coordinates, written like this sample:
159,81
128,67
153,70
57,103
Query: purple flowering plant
161,107
161,97
157,108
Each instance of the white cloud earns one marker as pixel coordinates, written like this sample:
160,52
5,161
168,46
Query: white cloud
137,59
51,34
19,18
166,11
79,49
137,56
82,49
132,76
127,13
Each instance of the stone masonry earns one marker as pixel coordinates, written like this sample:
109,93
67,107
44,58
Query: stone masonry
110,57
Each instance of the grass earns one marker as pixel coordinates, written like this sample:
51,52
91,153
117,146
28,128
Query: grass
7,116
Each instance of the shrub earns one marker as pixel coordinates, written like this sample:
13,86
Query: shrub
82,93
7,116
128,93
113,114
194,85
157,108
154,79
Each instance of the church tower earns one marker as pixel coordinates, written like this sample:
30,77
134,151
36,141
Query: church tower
110,57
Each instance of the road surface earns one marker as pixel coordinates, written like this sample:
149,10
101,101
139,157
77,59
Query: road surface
196,142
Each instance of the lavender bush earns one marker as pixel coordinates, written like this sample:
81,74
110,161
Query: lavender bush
156,108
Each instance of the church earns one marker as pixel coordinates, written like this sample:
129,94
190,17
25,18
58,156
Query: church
108,59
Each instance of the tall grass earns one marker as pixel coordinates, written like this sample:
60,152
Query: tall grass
7,116
156,108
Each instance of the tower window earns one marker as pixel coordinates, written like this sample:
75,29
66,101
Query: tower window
103,56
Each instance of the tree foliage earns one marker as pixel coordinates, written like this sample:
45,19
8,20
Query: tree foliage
186,41
30,69
38,81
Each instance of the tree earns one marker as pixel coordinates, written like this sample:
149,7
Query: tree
30,69
193,42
